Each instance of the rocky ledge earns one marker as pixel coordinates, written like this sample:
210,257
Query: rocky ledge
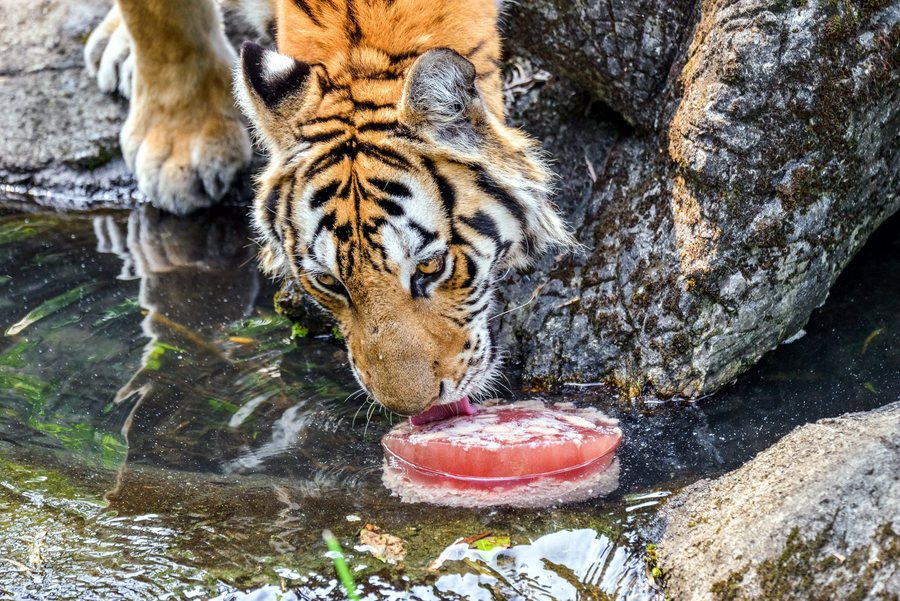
815,516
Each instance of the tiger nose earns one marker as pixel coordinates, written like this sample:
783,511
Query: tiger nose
403,381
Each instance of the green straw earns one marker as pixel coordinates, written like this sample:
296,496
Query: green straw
340,565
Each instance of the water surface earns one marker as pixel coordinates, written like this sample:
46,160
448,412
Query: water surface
164,433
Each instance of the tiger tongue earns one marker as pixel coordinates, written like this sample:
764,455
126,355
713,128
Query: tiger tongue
436,413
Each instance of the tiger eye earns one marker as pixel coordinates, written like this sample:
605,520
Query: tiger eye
431,266
327,280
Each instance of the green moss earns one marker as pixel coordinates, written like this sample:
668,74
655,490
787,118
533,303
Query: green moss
794,570
651,563
730,588
103,157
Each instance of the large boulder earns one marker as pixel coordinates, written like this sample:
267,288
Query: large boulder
712,235
620,50
816,516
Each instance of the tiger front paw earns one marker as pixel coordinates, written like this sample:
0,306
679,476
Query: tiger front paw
184,138
108,56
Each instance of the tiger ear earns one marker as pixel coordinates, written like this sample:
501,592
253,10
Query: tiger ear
276,92
441,101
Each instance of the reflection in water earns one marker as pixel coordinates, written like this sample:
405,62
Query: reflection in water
196,277
240,445
579,564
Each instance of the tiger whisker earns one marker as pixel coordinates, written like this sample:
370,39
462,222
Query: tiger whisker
534,295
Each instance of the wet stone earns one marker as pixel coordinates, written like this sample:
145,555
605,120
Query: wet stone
814,516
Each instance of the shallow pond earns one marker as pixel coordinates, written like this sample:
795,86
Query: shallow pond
165,434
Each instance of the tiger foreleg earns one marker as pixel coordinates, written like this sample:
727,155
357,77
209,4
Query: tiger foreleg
107,55
183,138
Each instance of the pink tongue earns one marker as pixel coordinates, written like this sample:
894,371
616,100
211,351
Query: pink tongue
436,413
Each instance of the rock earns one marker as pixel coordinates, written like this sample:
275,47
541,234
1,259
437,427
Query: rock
62,142
816,516
710,240
619,50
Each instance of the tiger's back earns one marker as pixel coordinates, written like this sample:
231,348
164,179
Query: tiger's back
370,44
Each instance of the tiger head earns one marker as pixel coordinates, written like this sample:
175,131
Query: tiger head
397,202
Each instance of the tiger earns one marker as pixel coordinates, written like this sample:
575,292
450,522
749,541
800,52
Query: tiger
394,191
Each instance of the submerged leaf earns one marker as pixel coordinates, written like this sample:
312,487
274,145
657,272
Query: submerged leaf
870,338
383,546
124,308
489,543
49,307
13,232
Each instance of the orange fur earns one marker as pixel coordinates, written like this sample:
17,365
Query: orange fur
378,139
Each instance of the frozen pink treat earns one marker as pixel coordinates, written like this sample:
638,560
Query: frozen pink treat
522,454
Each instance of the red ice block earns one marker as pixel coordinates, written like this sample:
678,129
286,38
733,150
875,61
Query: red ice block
561,452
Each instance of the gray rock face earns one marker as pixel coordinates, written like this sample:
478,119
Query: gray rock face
816,516
712,239
765,151
61,142
620,50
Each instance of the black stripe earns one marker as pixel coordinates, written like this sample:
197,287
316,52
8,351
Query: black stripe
402,131
325,223
500,194
402,56
482,223
488,73
384,155
427,235
390,207
330,88
368,105
471,270
371,228
324,136
349,263
344,190
374,225
323,195
343,232
445,188
353,31
459,322
457,239
272,202
391,188
378,126
476,295
331,157
322,163
383,76
475,50
328,119
307,10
